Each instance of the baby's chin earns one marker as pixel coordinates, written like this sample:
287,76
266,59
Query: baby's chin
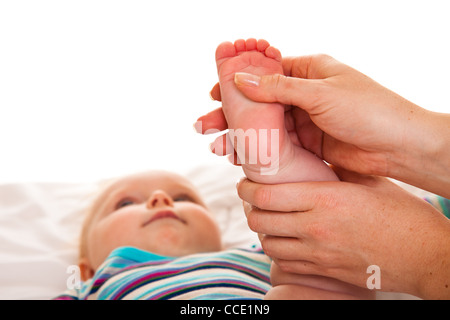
184,250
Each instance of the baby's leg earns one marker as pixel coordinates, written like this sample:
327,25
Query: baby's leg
257,130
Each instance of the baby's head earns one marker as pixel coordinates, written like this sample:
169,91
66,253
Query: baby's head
157,211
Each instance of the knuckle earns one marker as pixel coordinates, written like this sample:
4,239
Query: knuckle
322,259
285,266
263,197
277,84
281,86
278,80
329,199
317,230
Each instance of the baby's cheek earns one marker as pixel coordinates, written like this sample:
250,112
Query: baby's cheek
109,234
209,236
116,225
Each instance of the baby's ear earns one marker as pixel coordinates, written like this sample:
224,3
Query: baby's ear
85,269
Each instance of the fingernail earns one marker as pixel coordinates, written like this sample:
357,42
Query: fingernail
239,181
212,147
246,79
198,126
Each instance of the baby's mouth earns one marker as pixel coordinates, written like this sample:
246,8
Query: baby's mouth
163,214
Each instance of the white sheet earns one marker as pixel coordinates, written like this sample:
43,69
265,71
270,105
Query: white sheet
40,224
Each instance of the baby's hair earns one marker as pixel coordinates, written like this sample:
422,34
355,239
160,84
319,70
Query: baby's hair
89,214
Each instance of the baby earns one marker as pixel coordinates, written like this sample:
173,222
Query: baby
151,236
263,127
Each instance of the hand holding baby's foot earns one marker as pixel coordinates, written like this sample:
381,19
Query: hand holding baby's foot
257,130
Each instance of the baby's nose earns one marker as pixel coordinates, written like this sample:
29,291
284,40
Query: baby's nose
159,199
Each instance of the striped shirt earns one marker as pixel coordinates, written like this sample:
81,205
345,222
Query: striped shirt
440,203
131,273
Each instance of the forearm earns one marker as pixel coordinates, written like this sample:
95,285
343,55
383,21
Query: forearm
423,159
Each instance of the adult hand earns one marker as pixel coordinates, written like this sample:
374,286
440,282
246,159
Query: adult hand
339,229
351,121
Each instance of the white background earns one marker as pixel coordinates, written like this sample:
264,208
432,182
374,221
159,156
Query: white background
93,89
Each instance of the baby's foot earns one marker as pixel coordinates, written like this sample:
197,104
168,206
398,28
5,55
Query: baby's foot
257,130
247,119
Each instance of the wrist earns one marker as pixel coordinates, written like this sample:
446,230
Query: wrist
423,155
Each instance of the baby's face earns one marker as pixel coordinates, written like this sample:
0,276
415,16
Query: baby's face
156,211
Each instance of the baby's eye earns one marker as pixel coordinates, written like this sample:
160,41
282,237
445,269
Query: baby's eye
124,203
183,197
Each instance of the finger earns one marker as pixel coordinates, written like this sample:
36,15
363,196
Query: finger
261,236
215,93
288,272
296,66
211,122
311,275
234,159
295,266
279,224
300,196
349,176
285,248
221,146
279,88
317,66
357,178
247,207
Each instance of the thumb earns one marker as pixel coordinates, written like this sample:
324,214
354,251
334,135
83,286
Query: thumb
299,92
